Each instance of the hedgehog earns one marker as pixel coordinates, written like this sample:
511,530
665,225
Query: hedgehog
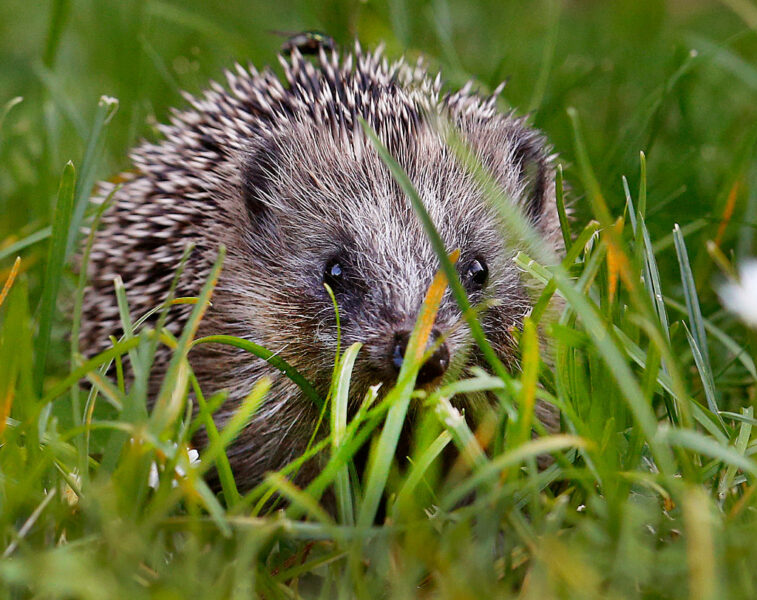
282,174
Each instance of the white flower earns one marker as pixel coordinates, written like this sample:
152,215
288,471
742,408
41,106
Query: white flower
192,457
741,297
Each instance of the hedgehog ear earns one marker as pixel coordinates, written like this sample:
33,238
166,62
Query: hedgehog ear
530,157
257,181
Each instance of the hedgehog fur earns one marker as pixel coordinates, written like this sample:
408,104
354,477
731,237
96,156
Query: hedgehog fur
283,175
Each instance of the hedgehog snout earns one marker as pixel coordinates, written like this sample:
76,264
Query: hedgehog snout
431,370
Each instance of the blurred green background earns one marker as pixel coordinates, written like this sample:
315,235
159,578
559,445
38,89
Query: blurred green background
675,79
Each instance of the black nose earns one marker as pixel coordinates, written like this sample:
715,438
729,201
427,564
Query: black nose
433,368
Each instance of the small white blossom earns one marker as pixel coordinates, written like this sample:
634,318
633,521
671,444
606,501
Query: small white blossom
741,297
181,469
154,479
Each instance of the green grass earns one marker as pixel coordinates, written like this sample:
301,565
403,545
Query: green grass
652,490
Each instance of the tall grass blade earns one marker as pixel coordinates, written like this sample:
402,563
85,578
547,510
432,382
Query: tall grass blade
741,353
174,382
437,244
78,304
418,470
338,427
9,281
13,337
106,108
692,300
271,358
61,9
53,272
740,445
29,240
493,469
218,442
383,454
707,383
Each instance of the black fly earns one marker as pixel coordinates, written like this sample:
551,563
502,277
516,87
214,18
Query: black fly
307,42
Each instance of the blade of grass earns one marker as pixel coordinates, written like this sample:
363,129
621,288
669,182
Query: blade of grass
53,275
741,353
629,206
9,281
29,240
692,300
700,545
78,304
212,505
13,332
218,442
740,445
529,379
453,279
110,392
338,427
124,314
297,497
652,275
744,9
707,382
417,472
454,422
548,55
693,440
381,458
58,18
205,418
134,408
641,215
29,523
106,108
270,357
165,404
81,371
726,58
493,469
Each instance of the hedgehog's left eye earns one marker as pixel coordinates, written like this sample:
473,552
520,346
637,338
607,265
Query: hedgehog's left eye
476,274
333,274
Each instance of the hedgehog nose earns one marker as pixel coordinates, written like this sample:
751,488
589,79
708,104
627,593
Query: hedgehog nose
433,368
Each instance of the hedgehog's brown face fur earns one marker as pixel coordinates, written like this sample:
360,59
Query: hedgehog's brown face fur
300,198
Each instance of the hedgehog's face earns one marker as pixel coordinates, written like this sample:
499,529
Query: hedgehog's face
330,213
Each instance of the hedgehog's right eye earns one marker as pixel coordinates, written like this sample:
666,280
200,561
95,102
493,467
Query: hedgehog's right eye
333,274
477,274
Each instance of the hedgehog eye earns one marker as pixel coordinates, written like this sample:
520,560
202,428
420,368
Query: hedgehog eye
333,274
477,273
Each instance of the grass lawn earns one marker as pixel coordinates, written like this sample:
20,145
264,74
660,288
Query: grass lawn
651,108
